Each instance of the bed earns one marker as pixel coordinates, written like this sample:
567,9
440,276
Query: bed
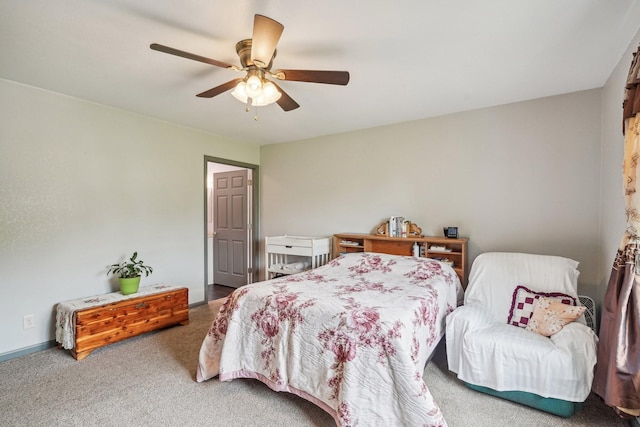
352,336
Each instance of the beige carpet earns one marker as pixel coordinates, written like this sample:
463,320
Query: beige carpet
149,381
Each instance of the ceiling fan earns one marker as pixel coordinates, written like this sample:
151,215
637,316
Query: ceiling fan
256,56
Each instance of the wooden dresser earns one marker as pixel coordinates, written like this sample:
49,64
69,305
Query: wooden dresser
101,324
452,250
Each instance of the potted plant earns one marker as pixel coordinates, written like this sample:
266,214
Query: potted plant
129,273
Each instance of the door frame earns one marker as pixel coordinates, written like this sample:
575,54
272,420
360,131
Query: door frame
254,262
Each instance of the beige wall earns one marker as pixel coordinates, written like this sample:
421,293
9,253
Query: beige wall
83,185
519,177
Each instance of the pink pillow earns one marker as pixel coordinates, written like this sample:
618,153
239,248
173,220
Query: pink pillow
550,315
522,304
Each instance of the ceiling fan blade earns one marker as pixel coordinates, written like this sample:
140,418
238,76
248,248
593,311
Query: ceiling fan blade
177,52
219,89
285,102
311,76
266,33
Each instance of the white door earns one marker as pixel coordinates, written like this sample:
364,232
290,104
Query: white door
230,228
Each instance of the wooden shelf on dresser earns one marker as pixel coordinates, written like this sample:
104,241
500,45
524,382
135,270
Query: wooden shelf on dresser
455,249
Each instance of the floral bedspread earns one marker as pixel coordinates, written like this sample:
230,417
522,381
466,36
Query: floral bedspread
352,336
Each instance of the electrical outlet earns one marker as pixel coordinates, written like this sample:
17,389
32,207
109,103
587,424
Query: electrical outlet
29,321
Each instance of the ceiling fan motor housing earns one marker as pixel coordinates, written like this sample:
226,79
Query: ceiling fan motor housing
243,48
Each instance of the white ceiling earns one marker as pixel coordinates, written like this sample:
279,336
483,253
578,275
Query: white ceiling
408,59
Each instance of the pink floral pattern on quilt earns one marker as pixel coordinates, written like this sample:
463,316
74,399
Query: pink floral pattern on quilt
351,336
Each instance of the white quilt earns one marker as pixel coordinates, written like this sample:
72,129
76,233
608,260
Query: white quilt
352,336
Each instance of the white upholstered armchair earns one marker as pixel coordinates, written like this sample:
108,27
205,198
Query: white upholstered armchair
514,337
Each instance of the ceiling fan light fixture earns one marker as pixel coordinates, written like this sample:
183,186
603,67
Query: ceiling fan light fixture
254,87
240,92
269,94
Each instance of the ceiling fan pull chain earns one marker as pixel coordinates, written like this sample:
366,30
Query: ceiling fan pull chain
247,107
256,116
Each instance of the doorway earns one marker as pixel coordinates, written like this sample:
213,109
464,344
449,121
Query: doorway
231,225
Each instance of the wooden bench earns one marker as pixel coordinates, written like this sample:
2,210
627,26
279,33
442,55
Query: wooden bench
103,324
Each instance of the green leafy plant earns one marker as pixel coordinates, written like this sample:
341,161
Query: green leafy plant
131,268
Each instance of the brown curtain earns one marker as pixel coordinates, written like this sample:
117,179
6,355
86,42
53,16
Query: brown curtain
617,376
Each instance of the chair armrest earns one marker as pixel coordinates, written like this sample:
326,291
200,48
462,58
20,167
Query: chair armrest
470,318
578,338
466,318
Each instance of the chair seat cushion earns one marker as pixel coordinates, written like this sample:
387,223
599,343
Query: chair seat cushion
490,353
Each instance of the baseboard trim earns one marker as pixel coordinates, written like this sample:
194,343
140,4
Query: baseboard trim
197,304
27,350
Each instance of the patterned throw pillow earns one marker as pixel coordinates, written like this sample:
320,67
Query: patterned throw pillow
523,300
550,315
